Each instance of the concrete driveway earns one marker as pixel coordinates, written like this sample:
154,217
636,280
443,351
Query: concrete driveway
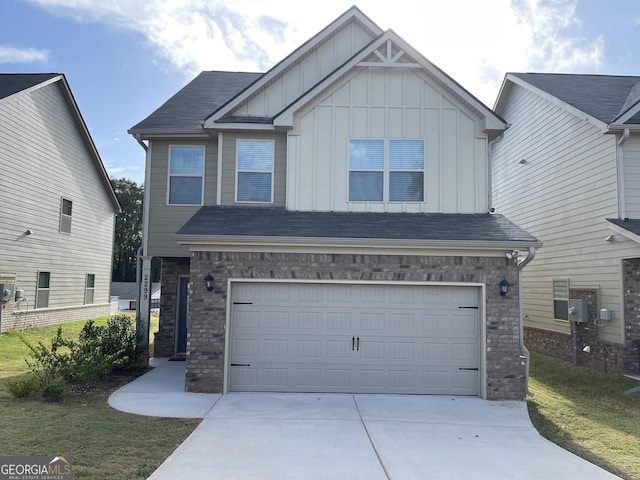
332,436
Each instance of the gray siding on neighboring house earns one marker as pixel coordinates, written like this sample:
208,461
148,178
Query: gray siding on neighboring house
44,157
555,176
631,161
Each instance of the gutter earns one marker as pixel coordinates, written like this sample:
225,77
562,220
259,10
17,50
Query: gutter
521,264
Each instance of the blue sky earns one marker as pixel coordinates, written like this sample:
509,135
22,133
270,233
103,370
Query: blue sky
124,58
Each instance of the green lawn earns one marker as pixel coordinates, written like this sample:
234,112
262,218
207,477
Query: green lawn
104,443
587,413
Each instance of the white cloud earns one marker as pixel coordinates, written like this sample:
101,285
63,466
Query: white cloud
476,42
10,54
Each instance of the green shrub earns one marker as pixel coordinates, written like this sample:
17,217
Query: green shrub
24,387
97,352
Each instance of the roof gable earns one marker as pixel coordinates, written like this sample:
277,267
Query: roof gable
17,84
607,99
353,16
390,51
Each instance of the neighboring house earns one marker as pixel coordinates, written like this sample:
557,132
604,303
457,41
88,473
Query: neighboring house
323,226
127,293
568,171
58,207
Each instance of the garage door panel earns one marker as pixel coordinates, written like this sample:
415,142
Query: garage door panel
354,338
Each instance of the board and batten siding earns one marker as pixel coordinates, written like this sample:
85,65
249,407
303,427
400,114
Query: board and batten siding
164,219
555,175
45,158
631,162
391,103
307,71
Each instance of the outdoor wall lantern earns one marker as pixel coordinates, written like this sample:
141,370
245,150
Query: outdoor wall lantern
208,280
504,287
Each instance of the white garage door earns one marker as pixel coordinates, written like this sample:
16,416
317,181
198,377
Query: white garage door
354,338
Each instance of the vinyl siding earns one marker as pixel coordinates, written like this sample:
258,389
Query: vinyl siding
44,157
391,103
631,162
307,72
562,193
165,220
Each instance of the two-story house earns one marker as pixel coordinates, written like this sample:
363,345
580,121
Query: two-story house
58,207
568,171
324,227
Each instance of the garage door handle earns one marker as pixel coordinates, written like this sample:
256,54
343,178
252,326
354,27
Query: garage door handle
243,303
353,343
463,368
474,308
240,364
358,344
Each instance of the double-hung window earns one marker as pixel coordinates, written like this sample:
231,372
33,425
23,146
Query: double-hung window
386,170
89,290
186,175
42,290
254,171
66,206
561,299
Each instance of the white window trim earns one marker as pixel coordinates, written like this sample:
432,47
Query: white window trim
272,172
169,175
386,170
553,305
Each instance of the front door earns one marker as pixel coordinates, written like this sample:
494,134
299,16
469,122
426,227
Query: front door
183,313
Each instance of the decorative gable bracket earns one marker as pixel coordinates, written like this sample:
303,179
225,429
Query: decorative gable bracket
389,54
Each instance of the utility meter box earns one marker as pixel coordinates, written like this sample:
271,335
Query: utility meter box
7,291
578,310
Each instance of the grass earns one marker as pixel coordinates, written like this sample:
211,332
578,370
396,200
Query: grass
587,413
104,443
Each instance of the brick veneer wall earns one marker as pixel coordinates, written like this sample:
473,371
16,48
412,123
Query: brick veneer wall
164,339
41,317
631,285
207,310
604,357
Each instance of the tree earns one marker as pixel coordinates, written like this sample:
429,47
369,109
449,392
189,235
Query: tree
128,234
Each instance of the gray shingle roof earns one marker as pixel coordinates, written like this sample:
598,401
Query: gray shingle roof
604,97
278,222
188,108
11,83
631,225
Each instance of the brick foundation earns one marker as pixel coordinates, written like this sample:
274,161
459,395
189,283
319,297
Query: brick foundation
505,372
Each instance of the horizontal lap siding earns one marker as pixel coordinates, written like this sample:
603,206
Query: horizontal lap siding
631,158
562,194
44,158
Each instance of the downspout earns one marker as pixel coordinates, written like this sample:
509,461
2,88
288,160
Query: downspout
622,211
523,263
142,248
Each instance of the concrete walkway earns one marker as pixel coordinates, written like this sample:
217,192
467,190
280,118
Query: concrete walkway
355,437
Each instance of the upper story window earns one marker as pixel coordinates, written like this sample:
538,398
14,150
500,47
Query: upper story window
386,170
66,207
186,175
42,290
255,171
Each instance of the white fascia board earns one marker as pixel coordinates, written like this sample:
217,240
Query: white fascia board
347,245
628,114
624,232
621,127
163,133
352,13
556,101
261,127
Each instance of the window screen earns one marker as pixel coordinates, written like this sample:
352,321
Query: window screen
66,206
42,290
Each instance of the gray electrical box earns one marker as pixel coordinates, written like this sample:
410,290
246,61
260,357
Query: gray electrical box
578,310
7,291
